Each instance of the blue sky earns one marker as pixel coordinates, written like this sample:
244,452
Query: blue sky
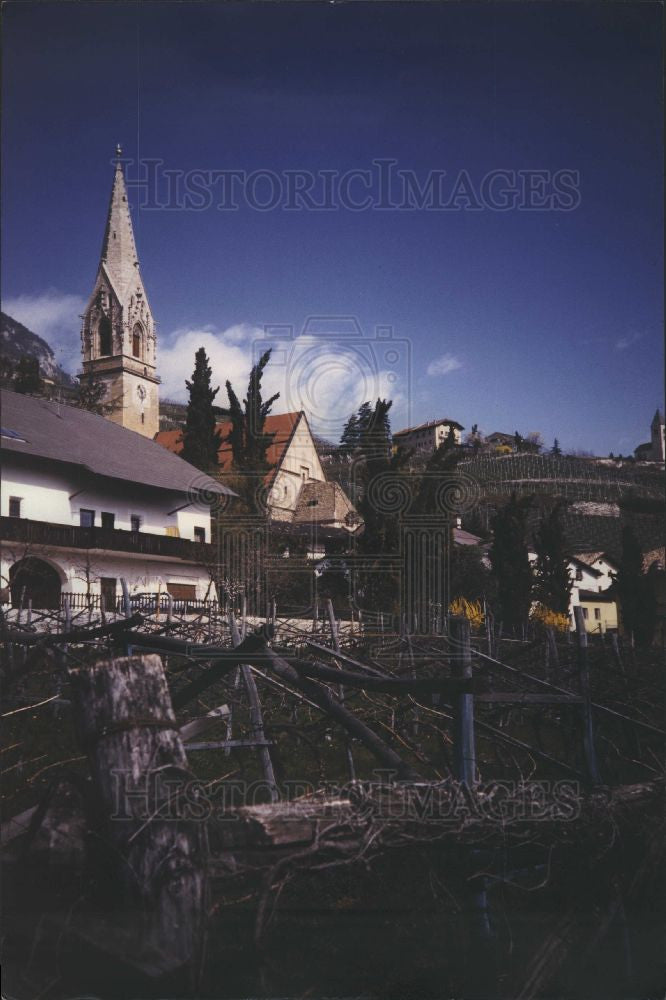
547,320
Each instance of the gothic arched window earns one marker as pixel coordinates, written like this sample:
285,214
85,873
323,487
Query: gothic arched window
137,334
105,336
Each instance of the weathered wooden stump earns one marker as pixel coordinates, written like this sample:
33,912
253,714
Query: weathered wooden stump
127,726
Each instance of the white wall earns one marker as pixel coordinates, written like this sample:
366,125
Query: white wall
58,497
80,569
427,439
299,463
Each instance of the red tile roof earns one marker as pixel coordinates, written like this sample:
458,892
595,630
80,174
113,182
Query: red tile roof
281,425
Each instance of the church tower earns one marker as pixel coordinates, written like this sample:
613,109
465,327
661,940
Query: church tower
118,335
657,436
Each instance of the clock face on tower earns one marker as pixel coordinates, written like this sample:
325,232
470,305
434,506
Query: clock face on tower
141,392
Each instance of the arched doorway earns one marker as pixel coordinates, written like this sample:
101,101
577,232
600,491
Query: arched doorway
33,579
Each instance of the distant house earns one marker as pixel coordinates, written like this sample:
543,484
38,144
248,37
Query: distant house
297,488
426,438
592,575
500,441
653,450
86,502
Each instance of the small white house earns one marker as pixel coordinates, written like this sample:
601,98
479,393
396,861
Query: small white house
426,438
591,574
86,502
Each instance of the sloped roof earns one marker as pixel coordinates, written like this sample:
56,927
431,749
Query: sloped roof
657,556
46,429
282,425
325,503
500,436
586,566
589,558
462,537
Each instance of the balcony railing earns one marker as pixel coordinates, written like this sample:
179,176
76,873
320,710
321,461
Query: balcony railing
36,533
146,603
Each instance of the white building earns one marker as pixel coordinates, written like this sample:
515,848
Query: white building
86,502
426,438
591,575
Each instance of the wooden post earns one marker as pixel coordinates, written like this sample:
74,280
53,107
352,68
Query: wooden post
553,657
68,614
127,726
584,674
464,748
127,604
256,716
243,611
335,638
481,978
617,656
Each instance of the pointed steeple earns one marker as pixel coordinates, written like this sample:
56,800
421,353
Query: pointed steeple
118,334
118,248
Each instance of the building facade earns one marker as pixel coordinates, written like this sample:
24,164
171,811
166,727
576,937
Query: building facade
118,336
87,503
426,438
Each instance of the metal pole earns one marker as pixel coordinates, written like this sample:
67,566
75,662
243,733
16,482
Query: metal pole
464,749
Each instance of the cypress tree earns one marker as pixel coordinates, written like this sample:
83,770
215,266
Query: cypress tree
247,437
378,588
201,441
28,378
510,562
349,439
635,591
552,583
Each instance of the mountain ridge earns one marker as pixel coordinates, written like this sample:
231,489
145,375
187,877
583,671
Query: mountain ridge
17,341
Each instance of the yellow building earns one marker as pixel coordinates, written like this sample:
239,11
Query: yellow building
599,611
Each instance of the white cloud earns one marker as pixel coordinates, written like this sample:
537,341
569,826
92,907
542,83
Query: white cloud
322,375
55,316
326,379
625,342
229,355
443,365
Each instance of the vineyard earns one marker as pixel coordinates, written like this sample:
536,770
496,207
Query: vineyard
218,805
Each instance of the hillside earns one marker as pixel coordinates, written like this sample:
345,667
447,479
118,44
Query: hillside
17,341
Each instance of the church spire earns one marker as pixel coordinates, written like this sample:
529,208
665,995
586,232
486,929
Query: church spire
118,335
118,247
